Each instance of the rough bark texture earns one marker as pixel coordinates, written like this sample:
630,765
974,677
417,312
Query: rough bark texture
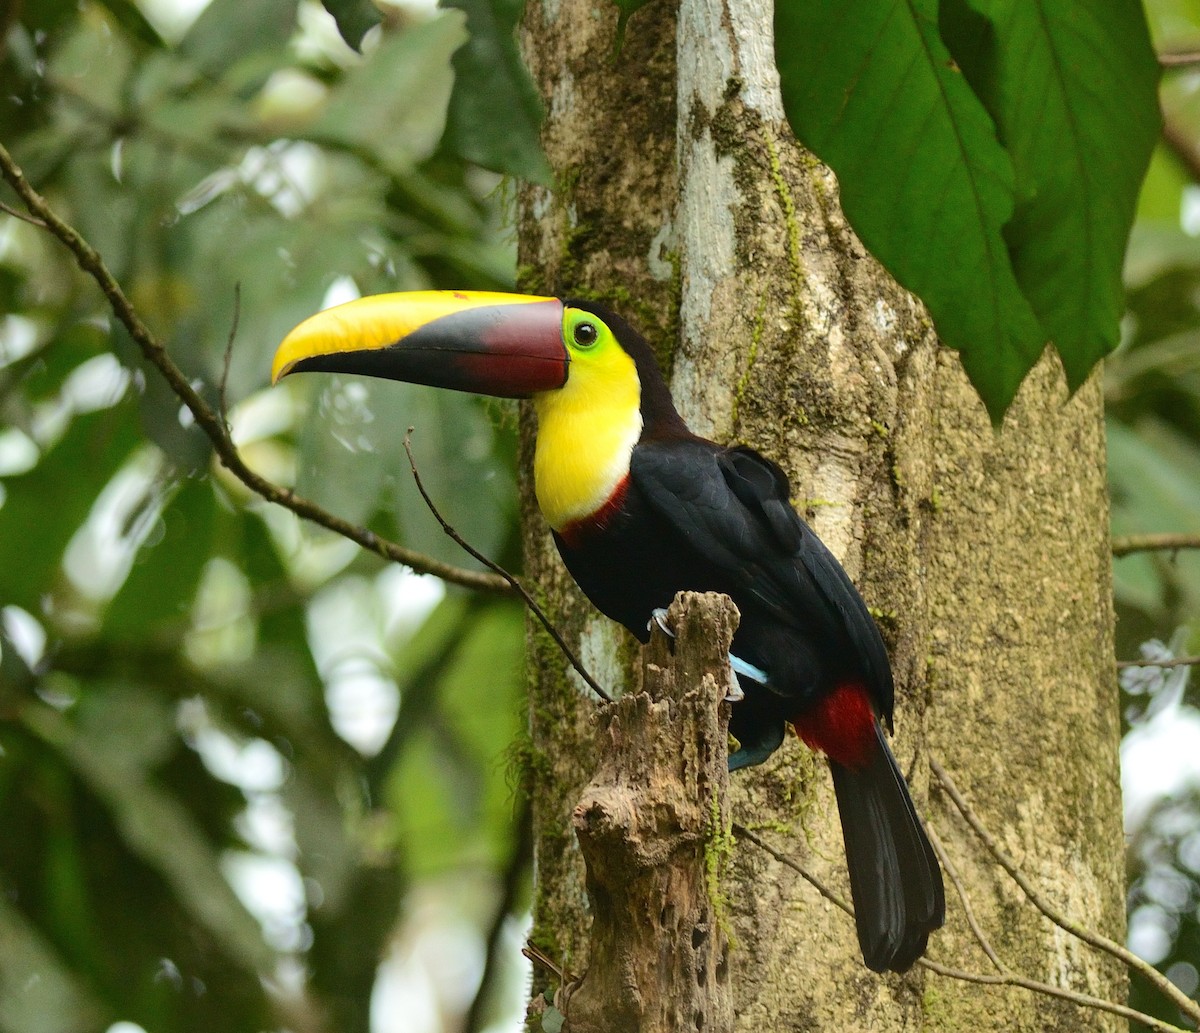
654,829
983,554
602,231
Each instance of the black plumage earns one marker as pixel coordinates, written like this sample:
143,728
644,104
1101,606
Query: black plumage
694,515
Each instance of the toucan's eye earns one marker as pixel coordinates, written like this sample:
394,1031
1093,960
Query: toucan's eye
586,334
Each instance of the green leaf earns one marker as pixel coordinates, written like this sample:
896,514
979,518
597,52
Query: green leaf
873,91
354,18
46,506
463,464
1072,88
162,583
394,104
449,789
229,30
495,111
38,993
156,827
628,9
129,16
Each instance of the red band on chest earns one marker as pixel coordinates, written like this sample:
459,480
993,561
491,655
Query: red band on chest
579,531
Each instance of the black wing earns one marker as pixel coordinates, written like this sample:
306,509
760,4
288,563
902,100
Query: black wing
732,506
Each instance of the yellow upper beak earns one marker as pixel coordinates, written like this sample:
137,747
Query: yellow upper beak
508,345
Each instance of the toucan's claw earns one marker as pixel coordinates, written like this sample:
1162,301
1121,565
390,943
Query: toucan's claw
737,666
734,693
659,616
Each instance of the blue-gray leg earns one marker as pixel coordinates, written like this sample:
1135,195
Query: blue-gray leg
737,666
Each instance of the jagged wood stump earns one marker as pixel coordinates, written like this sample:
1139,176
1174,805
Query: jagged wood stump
653,827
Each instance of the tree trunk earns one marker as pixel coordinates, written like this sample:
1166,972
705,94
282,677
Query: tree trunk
684,201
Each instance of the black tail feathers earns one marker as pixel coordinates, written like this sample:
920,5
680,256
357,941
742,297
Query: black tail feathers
895,879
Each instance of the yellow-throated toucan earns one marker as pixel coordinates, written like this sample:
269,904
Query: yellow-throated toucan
641,508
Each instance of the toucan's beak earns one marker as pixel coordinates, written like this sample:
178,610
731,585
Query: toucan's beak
507,345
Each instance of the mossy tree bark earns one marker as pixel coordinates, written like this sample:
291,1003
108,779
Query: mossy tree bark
683,200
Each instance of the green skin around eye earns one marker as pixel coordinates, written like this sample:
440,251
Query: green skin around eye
583,331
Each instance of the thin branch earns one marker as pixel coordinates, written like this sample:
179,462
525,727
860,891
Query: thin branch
16,214
222,399
1048,989
951,871
510,886
1005,977
744,833
1175,661
207,419
1102,943
512,581
1179,58
1130,543
539,957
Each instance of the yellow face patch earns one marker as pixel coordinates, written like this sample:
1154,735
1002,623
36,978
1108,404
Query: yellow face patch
587,428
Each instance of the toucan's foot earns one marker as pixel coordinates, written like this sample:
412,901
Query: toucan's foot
659,616
750,753
744,669
737,666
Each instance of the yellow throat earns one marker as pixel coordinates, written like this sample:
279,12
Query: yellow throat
586,433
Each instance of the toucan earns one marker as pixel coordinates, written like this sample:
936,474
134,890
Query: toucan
640,509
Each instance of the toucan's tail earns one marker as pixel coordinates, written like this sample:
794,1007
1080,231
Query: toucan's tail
895,880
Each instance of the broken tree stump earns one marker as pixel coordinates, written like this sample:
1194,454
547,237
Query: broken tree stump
654,830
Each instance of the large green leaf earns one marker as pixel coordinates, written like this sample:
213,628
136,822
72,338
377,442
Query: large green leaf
452,795
113,919
925,182
229,30
1072,88
393,106
495,111
38,993
354,18
160,587
156,828
994,178
46,506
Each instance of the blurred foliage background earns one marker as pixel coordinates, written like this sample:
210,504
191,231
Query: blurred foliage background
251,778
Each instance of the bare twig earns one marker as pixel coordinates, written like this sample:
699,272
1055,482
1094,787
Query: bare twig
1179,59
512,581
1048,989
510,885
539,957
744,833
22,216
1175,661
1004,977
951,871
1185,1004
222,401
1131,543
207,419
